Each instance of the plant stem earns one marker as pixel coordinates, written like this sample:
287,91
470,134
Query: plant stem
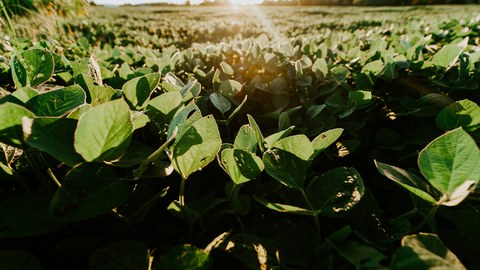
181,197
315,217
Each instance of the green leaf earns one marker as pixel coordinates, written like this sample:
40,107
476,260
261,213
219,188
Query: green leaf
272,139
122,255
424,251
57,102
196,147
320,68
246,139
11,127
299,145
285,167
325,139
451,163
30,216
361,98
24,94
220,102
447,56
284,208
137,91
185,257
191,90
53,136
104,132
139,120
227,69
182,119
78,112
32,67
171,83
409,181
258,133
88,190
162,109
96,94
336,191
463,113
241,166
19,260
230,89
374,68
339,74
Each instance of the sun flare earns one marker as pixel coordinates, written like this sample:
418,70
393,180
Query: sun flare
246,2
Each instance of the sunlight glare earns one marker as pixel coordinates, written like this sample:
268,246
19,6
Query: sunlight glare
246,2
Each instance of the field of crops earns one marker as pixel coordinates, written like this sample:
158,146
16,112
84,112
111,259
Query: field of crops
242,138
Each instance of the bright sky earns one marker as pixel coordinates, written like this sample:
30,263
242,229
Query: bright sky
120,2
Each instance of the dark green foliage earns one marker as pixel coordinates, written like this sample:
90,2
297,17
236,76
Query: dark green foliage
200,138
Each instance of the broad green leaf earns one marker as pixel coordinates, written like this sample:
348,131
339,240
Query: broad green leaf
374,68
197,146
11,127
272,139
258,133
19,260
285,167
246,139
32,67
57,102
96,94
162,108
451,163
220,102
30,216
191,90
78,112
299,145
424,251
339,74
463,113
447,56
139,120
241,166
104,132
123,255
88,190
227,69
171,83
325,139
284,208
409,181
24,94
53,136
320,68
180,121
230,89
336,191
184,257
361,98
137,90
